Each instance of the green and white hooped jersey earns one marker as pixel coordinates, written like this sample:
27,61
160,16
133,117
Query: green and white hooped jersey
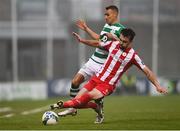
100,54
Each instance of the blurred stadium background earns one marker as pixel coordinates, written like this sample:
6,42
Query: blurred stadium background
38,55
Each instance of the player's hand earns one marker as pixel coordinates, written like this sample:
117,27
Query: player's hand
81,24
162,90
109,35
77,36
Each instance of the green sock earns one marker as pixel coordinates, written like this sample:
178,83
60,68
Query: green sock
74,90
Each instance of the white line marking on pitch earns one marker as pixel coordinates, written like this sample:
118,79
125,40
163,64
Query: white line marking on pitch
35,110
5,109
7,115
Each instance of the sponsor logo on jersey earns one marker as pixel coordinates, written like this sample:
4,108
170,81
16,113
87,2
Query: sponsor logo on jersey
104,38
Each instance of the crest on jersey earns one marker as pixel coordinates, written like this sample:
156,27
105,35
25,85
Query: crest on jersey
104,38
124,53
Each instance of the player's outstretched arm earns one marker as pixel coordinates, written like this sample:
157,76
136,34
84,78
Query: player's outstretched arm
93,43
83,26
150,75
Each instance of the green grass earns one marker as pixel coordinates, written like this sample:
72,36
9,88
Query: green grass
121,113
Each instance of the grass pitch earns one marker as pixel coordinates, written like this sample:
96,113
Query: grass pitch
121,113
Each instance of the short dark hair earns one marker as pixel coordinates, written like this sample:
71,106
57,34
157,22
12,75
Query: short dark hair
128,32
113,7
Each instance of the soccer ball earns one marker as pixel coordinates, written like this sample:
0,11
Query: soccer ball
49,118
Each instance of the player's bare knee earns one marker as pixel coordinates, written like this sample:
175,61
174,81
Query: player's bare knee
95,94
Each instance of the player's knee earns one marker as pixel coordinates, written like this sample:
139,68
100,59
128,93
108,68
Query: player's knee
95,94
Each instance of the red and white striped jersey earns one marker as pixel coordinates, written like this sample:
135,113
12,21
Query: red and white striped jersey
118,62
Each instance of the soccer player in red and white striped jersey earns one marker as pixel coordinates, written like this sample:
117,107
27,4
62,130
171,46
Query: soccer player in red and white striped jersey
121,57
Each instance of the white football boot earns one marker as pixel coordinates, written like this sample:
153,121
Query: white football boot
69,111
100,114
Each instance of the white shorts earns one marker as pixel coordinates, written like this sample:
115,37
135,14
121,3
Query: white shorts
90,68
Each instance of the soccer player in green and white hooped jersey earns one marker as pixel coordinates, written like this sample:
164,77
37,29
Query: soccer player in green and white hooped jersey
100,54
97,59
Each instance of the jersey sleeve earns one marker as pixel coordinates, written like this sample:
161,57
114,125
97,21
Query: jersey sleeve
138,62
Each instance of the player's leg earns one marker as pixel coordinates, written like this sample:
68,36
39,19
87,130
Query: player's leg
100,112
96,67
100,90
76,81
75,87
82,95
84,73
81,101
105,89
